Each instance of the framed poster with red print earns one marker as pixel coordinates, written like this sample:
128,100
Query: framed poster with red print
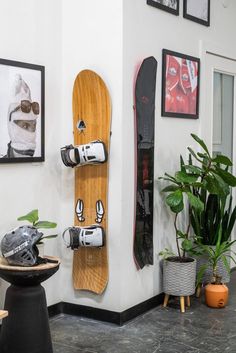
180,85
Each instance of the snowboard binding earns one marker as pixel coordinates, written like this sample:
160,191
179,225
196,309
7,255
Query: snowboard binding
90,236
90,153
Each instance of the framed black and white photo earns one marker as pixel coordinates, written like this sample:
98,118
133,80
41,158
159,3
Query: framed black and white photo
171,6
180,85
21,112
197,11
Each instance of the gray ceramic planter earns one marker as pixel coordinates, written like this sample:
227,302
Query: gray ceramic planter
179,278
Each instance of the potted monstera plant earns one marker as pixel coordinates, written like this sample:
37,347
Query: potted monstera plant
185,193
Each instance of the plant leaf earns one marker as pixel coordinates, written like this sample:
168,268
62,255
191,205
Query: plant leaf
49,236
187,245
45,225
31,217
177,208
170,188
222,160
226,176
223,186
211,185
194,154
166,253
203,155
181,235
184,177
231,222
182,164
175,198
201,273
195,202
226,264
201,143
193,169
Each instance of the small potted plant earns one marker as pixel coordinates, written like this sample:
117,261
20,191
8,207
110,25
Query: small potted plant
217,216
179,271
33,218
216,292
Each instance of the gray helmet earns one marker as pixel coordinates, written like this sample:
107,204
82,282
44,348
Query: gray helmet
18,246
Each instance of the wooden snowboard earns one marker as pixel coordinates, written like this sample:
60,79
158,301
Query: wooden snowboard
91,121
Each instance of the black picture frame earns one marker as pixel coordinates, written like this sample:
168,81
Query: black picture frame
22,131
180,85
203,20
159,4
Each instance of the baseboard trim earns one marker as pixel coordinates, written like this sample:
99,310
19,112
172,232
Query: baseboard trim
55,309
105,315
141,308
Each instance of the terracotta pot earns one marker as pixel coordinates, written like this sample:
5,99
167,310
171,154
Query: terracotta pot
216,295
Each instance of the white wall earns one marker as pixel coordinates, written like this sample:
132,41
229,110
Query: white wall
30,31
110,37
147,31
92,39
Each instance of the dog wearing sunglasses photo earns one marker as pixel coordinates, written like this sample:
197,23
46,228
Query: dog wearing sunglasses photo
22,121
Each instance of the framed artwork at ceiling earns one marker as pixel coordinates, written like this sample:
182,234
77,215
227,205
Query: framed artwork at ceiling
171,6
197,11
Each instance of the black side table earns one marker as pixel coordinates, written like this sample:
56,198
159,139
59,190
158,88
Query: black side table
26,329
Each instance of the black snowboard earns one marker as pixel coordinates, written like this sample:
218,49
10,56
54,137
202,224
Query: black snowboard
145,89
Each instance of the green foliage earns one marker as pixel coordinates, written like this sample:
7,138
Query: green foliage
166,253
33,218
204,190
222,251
45,225
217,212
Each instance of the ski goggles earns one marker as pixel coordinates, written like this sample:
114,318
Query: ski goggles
26,107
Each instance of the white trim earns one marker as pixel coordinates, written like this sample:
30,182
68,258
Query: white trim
220,52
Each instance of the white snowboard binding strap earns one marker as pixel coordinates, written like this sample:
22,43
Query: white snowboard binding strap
90,236
91,153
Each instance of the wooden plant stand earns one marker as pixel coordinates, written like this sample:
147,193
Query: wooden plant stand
182,302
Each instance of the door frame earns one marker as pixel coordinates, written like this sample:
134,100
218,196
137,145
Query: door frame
225,62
